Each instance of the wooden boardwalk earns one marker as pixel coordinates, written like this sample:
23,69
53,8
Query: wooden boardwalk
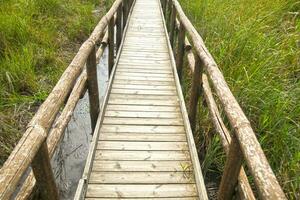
145,146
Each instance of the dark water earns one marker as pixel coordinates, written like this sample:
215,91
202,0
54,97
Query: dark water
69,159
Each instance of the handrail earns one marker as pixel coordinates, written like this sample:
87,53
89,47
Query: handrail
246,142
37,146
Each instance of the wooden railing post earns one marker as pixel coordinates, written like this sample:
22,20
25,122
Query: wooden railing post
119,27
164,7
231,172
42,171
168,15
195,91
92,84
180,50
125,12
111,36
172,25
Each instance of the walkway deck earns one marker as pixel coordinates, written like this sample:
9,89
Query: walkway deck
145,147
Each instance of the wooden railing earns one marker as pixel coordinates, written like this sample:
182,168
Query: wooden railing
46,129
242,144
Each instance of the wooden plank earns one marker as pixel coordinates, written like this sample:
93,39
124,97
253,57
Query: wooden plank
141,177
149,137
148,71
150,92
143,191
168,198
156,67
142,146
142,121
143,96
141,82
144,87
143,78
157,115
141,74
142,108
142,129
143,166
141,155
148,102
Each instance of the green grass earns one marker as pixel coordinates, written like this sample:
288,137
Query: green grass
38,38
257,47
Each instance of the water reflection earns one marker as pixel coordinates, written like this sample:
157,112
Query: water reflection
70,156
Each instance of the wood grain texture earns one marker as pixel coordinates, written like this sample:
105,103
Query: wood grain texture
142,150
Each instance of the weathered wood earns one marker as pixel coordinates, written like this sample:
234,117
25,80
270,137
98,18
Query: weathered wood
142,129
111,46
180,51
142,178
142,146
142,155
231,171
119,27
195,92
142,121
55,134
143,137
143,166
244,188
102,47
125,12
35,134
133,133
143,191
265,180
92,84
43,174
172,25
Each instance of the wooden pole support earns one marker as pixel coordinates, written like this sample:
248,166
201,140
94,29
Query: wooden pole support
231,172
164,7
180,51
119,27
111,35
169,11
91,69
195,92
172,25
42,171
125,12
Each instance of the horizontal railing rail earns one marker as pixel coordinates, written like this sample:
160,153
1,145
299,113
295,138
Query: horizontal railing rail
243,144
47,127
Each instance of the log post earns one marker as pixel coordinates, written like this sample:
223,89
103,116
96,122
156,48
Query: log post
180,51
164,7
92,83
169,11
119,27
172,25
111,35
231,172
42,171
125,12
195,92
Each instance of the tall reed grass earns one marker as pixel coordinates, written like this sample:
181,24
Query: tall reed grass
257,46
38,38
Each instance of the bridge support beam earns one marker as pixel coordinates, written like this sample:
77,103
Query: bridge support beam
180,51
195,92
119,27
92,83
111,44
231,172
42,171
